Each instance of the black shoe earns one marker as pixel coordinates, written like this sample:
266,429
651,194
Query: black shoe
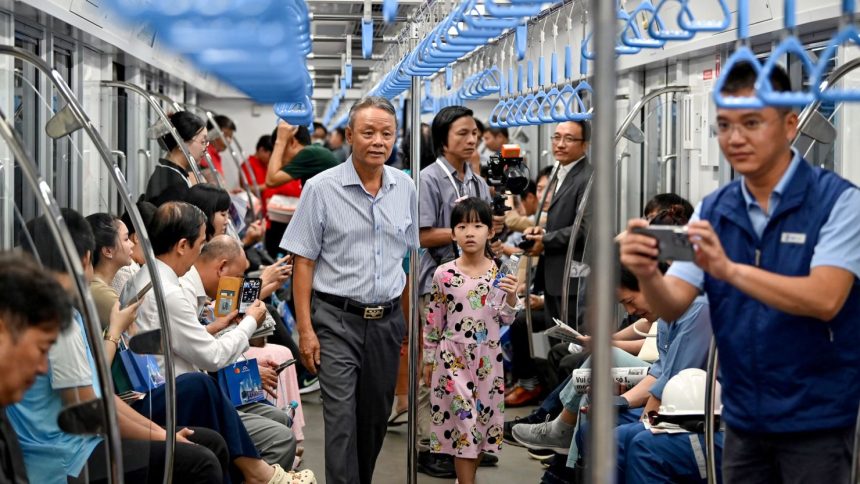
436,465
559,473
489,460
537,416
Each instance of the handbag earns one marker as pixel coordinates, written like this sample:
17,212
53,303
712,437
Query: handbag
241,382
142,371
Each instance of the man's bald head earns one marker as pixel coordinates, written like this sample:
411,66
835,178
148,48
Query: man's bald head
222,256
221,247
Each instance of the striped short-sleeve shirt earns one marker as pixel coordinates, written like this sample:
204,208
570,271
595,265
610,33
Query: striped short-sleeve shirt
357,240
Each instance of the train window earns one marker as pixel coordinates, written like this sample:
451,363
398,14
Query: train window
26,115
62,177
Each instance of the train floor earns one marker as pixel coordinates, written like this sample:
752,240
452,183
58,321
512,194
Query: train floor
515,466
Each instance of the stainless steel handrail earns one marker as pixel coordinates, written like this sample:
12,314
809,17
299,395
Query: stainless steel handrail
550,185
137,221
233,155
710,411
415,326
834,77
151,99
601,450
583,206
57,225
257,187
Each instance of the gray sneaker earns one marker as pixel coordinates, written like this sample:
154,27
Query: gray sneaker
543,436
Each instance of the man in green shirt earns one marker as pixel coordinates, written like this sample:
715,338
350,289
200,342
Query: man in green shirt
294,157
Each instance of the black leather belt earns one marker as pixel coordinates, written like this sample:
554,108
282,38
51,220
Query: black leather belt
366,311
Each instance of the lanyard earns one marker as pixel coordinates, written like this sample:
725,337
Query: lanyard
184,176
451,178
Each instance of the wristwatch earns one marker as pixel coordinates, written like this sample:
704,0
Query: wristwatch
108,337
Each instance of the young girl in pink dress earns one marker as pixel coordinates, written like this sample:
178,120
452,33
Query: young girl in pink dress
461,345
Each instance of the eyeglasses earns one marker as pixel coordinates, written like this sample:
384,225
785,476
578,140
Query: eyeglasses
747,127
204,141
556,139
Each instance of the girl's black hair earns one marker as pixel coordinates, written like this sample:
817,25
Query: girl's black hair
147,211
106,231
209,199
470,210
186,124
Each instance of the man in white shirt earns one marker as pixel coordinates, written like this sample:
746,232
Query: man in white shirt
177,235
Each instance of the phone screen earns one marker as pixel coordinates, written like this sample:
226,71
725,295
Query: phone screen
250,292
138,296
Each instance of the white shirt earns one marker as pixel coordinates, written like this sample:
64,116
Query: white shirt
563,170
194,349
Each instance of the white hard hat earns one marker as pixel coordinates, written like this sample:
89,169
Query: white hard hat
684,394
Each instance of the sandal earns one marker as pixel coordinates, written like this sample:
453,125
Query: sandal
292,477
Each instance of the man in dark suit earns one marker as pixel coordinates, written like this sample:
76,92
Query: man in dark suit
569,147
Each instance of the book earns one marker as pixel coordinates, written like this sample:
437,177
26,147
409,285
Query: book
563,332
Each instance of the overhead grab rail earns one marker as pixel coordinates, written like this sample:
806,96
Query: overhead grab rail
742,54
278,28
789,45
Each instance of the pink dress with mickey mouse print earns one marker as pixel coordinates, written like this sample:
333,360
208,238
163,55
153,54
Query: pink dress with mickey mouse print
467,387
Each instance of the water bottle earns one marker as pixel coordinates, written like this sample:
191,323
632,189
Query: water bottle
291,412
497,295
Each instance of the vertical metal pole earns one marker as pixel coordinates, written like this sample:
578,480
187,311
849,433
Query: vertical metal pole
415,319
601,451
710,409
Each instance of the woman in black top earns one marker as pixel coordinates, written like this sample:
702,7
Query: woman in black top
170,181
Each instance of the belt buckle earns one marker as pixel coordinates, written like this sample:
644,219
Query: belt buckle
375,312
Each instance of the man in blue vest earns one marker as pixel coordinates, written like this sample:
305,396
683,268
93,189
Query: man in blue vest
778,255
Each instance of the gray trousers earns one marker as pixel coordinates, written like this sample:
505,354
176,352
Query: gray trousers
358,372
794,458
268,429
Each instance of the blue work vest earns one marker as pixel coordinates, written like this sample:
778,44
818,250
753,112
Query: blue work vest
779,372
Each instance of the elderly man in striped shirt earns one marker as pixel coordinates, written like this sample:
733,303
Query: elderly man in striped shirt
352,228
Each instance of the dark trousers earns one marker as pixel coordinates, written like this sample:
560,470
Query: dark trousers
800,457
522,364
273,237
143,461
200,403
358,373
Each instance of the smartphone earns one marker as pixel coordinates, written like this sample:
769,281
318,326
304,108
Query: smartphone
250,292
672,240
283,366
526,244
138,296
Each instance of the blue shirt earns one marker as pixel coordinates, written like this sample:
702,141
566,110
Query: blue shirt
49,453
357,240
838,243
681,344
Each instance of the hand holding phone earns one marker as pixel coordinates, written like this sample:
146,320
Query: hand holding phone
138,296
672,241
250,292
